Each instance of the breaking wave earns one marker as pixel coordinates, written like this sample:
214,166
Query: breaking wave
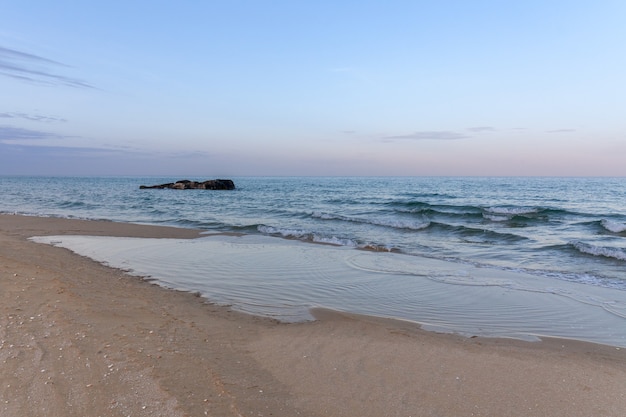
306,236
613,226
503,214
607,252
396,224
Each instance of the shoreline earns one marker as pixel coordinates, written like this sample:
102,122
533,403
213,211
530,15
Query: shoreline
80,338
273,277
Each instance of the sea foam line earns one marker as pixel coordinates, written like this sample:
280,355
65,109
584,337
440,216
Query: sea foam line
396,224
306,236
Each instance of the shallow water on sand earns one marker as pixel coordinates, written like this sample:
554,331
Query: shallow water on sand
284,279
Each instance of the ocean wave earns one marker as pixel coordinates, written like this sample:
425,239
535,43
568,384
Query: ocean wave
55,216
504,214
613,226
496,218
420,207
311,237
470,234
378,248
197,224
523,215
304,235
607,252
327,216
76,205
396,224
511,211
466,212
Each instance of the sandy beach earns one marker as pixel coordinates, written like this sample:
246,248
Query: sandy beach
80,339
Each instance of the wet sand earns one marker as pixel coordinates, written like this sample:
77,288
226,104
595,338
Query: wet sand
80,339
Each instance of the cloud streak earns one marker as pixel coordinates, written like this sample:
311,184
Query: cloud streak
479,129
39,158
10,133
429,135
32,117
16,138
561,131
34,69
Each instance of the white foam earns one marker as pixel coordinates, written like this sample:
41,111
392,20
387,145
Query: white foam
398,224
511,211
617,253
333,240
294,233
613,226
326,216
306,236
495,218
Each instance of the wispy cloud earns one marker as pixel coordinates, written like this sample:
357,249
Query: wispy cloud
16,138
62,157
32,117
429,135
34,69
28,57
561,131
479,129
10,133
36,159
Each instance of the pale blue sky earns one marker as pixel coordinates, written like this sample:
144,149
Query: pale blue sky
229,88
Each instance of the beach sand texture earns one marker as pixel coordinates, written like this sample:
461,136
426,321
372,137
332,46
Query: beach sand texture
80,339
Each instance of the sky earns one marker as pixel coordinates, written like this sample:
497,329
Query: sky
246,88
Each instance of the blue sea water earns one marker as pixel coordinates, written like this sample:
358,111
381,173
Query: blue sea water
558,230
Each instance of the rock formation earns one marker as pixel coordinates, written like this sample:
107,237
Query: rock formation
194,185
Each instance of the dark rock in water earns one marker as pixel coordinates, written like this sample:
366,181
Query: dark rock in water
194,185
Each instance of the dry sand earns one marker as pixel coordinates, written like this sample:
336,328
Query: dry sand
80,339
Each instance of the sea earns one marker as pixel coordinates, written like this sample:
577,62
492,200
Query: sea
519,257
